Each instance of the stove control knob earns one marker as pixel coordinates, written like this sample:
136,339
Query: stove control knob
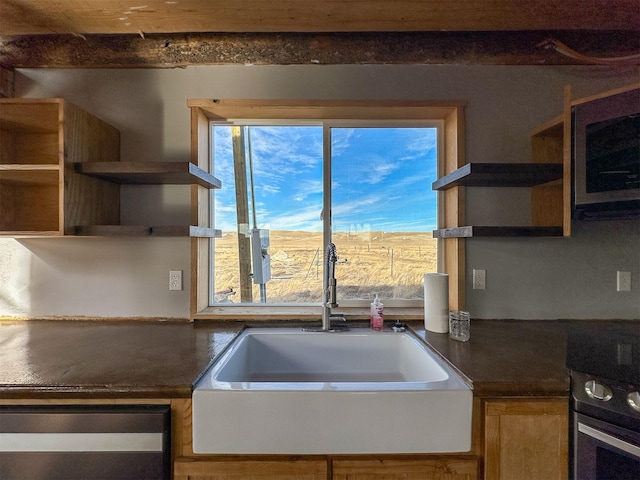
598,391
633,399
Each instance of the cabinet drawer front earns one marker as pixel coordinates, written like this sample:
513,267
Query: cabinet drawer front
451,468
80,442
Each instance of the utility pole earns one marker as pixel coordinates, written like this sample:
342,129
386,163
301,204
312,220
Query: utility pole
242,213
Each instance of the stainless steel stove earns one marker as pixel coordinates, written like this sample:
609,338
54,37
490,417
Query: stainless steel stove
604,359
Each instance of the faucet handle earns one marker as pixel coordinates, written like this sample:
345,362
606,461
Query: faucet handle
331,293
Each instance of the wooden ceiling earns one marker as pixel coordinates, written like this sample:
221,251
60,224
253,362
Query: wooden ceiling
178,33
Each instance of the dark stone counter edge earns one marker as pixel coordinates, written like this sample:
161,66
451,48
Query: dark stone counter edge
86,392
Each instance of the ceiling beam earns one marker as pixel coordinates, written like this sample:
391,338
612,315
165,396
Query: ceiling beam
38,17
182,50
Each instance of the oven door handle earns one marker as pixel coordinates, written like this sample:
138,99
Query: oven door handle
609,439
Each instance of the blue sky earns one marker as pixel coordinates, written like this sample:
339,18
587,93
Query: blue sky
381,178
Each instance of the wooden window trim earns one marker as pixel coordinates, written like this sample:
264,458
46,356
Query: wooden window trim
450,203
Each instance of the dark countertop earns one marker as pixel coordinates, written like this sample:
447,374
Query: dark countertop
107,359
508,357
154,359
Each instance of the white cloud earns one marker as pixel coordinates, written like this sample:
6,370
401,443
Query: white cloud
270,189
306,188
381,171
341,140
352,206
306,219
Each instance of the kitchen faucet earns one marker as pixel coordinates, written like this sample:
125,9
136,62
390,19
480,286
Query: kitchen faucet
329,294
329,285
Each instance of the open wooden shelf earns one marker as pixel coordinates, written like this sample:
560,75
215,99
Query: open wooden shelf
547,177
149,173
500,175
142,231
40,195
470,231
29,200
29,174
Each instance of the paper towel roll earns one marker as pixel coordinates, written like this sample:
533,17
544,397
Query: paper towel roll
436,302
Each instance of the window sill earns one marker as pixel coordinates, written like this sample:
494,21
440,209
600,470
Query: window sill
310,312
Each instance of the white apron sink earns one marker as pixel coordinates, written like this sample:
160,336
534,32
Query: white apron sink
285,391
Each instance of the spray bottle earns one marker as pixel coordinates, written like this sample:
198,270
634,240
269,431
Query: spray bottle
377,314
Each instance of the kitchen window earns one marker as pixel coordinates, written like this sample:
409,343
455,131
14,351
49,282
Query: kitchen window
284,166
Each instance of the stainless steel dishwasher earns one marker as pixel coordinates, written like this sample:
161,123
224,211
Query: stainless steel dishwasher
87,442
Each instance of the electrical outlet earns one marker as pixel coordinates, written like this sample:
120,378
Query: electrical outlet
624,281
175,280
479,279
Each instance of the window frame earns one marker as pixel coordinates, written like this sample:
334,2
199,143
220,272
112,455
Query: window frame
330,112
327,199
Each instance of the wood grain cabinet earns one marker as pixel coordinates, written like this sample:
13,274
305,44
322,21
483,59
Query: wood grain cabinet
398,468
410,467
60,174
40,192
526,439
251,468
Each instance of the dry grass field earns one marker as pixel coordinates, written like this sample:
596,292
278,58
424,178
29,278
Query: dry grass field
391,264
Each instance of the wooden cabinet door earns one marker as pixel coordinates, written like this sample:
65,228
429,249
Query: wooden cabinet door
527,440
435,468
250,468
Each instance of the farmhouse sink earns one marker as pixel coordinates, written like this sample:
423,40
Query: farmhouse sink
285,391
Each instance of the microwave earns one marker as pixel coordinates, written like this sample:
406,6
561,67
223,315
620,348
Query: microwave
606,157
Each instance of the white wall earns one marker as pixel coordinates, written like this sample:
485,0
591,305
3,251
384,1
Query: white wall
526,278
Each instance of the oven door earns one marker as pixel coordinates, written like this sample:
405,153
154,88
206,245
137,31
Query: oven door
602,451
